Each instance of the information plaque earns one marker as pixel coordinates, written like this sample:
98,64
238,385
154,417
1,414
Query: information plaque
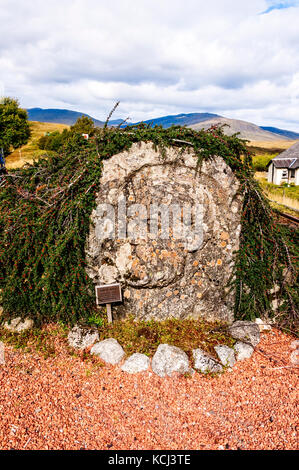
108,294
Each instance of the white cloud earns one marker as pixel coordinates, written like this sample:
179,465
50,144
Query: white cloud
156,57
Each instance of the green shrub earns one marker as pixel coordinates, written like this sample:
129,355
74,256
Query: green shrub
260,162
14,125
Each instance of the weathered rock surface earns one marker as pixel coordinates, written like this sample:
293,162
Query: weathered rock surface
226,355
243,350
136,363
81,338
170,273
109,350
245,331
204,362
169,359
17,325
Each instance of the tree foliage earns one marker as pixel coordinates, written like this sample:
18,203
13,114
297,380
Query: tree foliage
83,125
14,125
55,141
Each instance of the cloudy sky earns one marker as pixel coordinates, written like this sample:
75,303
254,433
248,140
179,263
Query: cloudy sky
236,58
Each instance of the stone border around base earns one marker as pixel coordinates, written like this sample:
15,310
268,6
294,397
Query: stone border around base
170,360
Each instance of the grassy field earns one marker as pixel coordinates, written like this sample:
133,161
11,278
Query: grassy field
260,162
30,151
279,145
281,198
284,196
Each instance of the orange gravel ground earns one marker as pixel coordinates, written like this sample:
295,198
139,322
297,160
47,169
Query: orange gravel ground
64,402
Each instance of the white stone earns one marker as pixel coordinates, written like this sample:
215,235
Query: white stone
81,338
226,355
17,325
262,324
295,357
2,353
169,359
109,350
204,362
243,350
136,363
295,344
245,331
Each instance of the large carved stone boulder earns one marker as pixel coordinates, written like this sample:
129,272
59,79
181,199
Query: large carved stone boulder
181,271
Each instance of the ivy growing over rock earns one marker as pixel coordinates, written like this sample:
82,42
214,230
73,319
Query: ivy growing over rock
45,213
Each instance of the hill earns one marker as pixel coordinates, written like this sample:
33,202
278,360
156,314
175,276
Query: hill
246,129
180,119
61,116
290,134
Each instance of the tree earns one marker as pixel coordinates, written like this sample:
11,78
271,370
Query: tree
83,125
14,125
53,141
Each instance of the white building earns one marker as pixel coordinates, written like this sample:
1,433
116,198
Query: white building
285,167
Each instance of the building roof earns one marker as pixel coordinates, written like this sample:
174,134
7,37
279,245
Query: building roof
288,159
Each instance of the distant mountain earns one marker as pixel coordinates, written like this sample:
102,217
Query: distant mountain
180,119
60,116
246,129
196,121
65,116
289,134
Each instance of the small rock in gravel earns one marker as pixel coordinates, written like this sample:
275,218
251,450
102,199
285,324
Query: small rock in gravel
2,353
109,350
81,338
226,355
263,325
295,344
204,362
295,357
243,350
245,331
17,325
168,359
136,363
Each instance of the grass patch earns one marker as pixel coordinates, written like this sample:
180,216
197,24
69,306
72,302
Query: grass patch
260,162
291,191
40,340
282,208
261,156
282,198
145,336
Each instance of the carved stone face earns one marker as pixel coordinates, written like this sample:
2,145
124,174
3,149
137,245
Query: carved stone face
167,233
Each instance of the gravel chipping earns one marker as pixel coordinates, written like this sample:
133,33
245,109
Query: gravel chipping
78,402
